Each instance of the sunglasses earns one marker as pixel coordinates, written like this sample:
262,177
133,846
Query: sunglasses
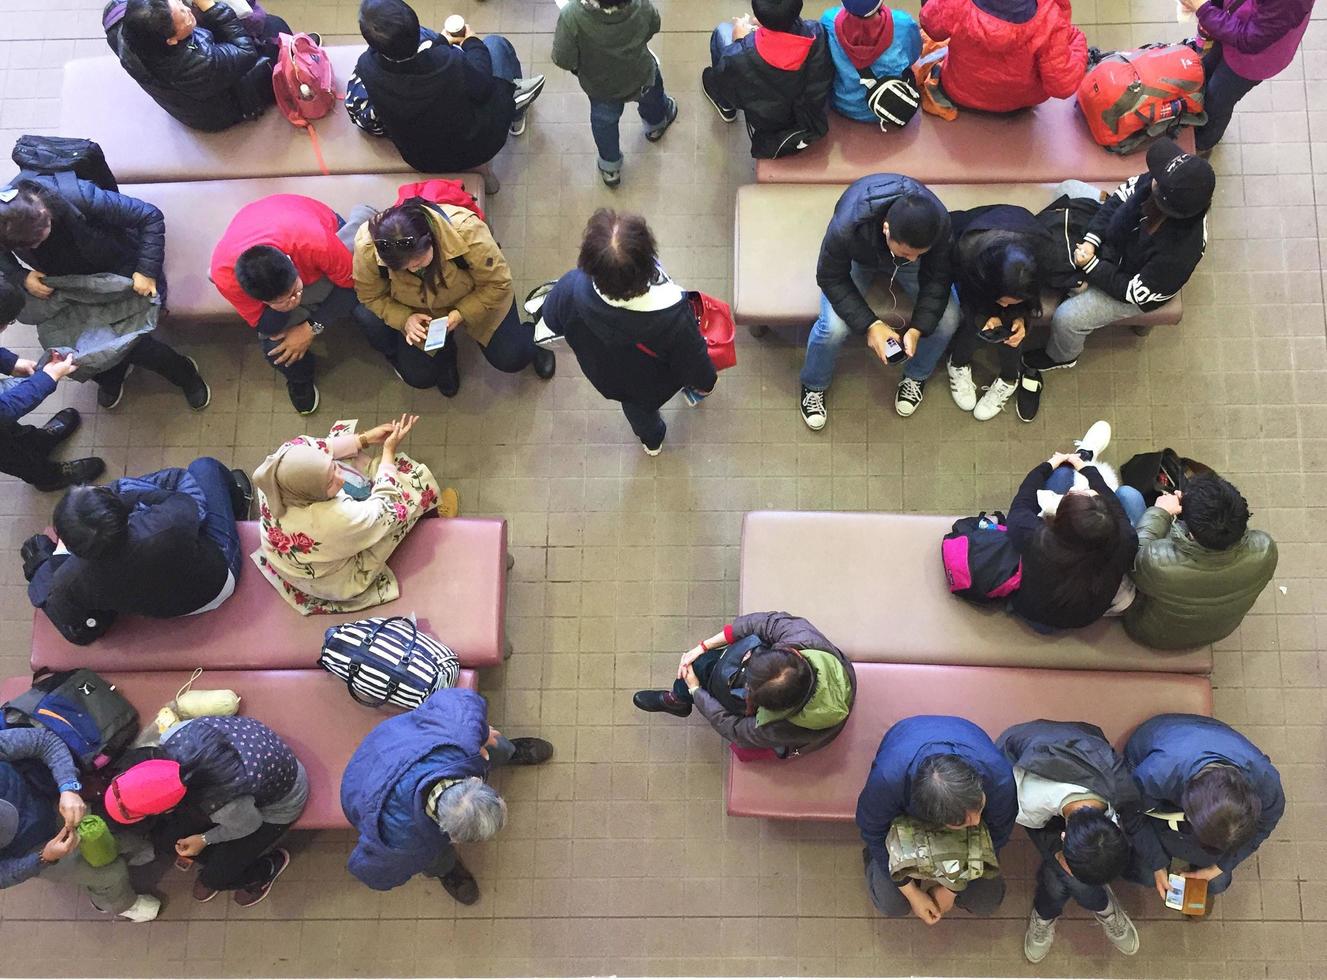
128,814
395,244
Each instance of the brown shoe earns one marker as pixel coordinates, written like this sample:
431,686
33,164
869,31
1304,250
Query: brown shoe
248,897
449,503
202,893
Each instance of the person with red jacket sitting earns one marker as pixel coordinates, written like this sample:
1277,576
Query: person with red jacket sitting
1006,54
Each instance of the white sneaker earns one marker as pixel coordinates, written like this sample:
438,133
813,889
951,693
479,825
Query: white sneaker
962,387
1039,938
145,909
1094,441
813,410
992,403
908,396
1120,929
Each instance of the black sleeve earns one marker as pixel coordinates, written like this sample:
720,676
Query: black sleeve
834,277
934,280
144,221
689,358
66,611
1096,228
224,60
1025,512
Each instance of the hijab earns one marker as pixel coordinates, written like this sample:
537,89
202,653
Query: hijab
294,476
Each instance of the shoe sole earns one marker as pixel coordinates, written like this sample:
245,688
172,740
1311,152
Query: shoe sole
910,412
1053,367
610,180
206,387
317,399
204,901
723,113
527,101
813,426
120,397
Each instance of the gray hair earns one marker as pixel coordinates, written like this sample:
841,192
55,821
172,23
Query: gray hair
945,790
471,810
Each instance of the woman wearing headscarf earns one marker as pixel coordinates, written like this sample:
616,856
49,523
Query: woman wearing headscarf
330,519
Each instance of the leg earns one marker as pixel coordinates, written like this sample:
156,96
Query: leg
604,118
647,424
512,347
158,358
447,860
962,347
242,863
416,368
109,886
704,667
653,104
1061,479
1222,92
23,453
827,336
301,372
885,895
981,897
721,37
1078,316
931,349
1010,360
506,64
213,477
1132,502
500,753
1076,188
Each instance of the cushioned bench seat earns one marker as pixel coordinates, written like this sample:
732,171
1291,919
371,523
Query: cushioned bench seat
776,241
453,575
197,215
881,595
824,785
1048,143
310,709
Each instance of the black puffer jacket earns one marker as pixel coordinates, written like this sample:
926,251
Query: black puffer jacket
981,235
211,82
856,234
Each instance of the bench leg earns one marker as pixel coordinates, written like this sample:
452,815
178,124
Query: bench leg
758,330
1141,330
511,561
491,183
506,649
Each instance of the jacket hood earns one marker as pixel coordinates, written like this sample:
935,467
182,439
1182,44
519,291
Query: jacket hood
787,52
415,85
645,328
1003,25
590,12
1010,11
830,699
864,39
1071,752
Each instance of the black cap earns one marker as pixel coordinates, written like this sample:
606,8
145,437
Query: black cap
1182,183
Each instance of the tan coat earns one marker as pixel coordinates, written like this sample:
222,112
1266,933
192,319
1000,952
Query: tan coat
482,292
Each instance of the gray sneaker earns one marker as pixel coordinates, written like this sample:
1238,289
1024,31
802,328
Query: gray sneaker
1039,938
1120,929
527,90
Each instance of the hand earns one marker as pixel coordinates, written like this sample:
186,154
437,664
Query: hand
493,736
377,435
742,26
400,429
1192,5
23,368
1206,874
876,336
910,338
72,808
924,907
1162,878
689,658
1020,331
1060,459
416,329
992,323
190,846
469,33
1084,253
943,898
1170,503
59,846
59,367
689,677
454,320
35,284
292,344
144,285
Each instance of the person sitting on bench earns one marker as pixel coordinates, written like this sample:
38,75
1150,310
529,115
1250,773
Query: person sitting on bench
946,772
1199,568
209,69
1140,248
1210,797
161,545
865,35
768,682
418,785
1073,792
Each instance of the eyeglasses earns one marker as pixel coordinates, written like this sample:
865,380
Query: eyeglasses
395,244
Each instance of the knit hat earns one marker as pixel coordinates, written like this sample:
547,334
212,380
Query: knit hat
8,822
1182,183
144,790
862,8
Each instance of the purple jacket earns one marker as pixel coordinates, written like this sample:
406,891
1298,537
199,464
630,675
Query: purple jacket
1259,38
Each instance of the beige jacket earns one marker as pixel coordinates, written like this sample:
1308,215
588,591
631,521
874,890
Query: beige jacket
481,291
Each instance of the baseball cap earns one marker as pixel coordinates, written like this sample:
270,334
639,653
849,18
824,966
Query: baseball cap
862,8
143,790
8,822
1182,183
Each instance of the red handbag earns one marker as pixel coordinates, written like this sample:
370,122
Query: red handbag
715,319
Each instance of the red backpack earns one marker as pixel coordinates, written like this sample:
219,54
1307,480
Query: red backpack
1130,97
440,191
304,85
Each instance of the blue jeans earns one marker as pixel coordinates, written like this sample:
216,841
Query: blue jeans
721,37
505,62
1062,480
213,478
652,104
829,331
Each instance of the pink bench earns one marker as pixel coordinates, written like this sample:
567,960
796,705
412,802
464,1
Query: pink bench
453,575
824,785
1047,144
310,709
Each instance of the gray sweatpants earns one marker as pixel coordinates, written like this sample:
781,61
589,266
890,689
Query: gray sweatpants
108,886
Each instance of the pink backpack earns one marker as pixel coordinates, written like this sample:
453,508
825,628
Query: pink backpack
304,85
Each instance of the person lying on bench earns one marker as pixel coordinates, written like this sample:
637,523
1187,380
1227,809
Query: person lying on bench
199,61
865,35
1073,792
328,526
1210,797
418,785
883,224
946,772
1139,249
226,790
40,809
161,545
779,73
769,682
1199,568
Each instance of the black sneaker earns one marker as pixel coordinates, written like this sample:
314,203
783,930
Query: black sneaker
449,378
304,396
1028,398
908,396
241,494
1039,360
531,751
726,112
460,884
196,392
661,701
656,449
545,363
814,412
61,426
74,472
110,394
670,117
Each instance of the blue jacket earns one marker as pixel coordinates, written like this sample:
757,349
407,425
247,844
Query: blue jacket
849,98
19,399
34,766
451,727
1167,751
888,787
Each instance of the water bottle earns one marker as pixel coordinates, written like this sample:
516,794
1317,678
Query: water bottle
95,842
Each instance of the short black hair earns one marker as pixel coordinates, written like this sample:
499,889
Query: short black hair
777,15
1222,808
619,253
92,521
945,790
265,272
391,28
1215,513
778,679
1095,848
12,301
148,24
916,220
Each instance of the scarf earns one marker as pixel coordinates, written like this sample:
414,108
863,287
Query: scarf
294,476
864,39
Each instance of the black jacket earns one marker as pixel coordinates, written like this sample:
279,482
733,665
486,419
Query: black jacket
782,82
444,109
1133,265
214,80
984,230
1072,752
611,344
856,234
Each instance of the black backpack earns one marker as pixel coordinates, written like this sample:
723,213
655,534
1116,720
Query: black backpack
1154,474
893,100
981,564
83,709
65,159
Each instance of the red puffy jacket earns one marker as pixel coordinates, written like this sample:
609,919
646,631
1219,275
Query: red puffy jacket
999,65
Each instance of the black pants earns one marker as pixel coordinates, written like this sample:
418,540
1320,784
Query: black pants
510,350
153,355
23,453
966,342
229,865
703,666
647,423
1221,93
1055,885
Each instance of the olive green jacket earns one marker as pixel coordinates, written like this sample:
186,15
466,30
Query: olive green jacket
605,49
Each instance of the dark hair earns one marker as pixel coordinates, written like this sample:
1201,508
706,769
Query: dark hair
265,272
945,790
1095,848
1013,271
915,220
406,223
1215,513
210,768
12,301
391,28
619,253
777,679
93,522
23,219
1222,808
1076,546
148,25
777,15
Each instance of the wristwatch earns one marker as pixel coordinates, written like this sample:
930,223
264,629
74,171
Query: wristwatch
73,786
316,327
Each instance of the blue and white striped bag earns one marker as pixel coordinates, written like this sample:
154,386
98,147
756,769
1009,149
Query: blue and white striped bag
388,661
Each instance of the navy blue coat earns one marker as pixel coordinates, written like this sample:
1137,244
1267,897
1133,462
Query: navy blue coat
886,796
1167,751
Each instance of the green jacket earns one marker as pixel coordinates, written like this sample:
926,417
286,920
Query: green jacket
830,700
606,49
1189,595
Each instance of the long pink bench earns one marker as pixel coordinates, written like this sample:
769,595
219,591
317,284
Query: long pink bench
1048,143
310,709
880,594
453,575
824,785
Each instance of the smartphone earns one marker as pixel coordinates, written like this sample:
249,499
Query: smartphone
893,352
1175,893
437,338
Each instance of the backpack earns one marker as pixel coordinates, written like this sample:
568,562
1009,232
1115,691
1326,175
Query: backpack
83,709
980,563
893,100
304,85
388,661
439,190
64,158
1153,474
952,858
1130,97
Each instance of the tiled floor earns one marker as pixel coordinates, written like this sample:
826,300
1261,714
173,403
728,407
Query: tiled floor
618,857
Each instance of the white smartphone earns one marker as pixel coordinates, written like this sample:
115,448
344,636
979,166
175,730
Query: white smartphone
437,338
1175,893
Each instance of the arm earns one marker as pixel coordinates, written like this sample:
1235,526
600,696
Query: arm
1267,821
1001,806
1096,228
374,289
1025,512
935,278
1142,831
18,400
834,277
1150,287
14,871
1062,61
129,214
488,269
940,17
778,629
229,55
477,72
236,819
878,806
689,358
1269,24
17,744
740,730
566,52
1154,526
75,622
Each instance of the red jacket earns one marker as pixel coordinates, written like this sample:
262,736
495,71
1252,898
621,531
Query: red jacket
301,227
1000,58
